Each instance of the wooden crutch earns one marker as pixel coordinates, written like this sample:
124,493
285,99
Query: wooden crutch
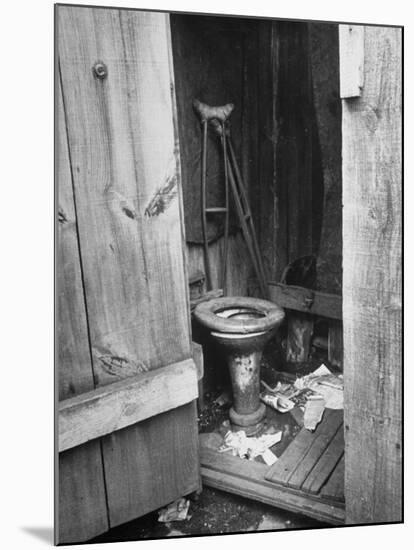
244,212
220,116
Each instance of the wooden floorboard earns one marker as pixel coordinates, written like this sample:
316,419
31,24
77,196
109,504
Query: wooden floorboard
302,454
247,478
334,487
320,445
326,464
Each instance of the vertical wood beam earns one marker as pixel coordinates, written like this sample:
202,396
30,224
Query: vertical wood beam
300,332
372,284
335,343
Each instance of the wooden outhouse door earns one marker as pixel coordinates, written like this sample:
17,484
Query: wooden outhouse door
126,380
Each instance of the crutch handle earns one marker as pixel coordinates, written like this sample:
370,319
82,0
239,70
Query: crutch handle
206,112
218,128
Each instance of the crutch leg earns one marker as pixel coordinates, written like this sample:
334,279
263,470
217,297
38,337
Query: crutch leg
226,220
203,207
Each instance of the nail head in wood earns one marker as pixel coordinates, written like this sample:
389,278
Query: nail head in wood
100,70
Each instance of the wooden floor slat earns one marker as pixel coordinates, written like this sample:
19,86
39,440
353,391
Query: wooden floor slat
326,464
334,487
300,457
281,471
323,439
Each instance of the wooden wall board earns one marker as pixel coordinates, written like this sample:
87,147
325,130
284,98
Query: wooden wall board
308,301
299,148
122,146
372,284
81,506
123,152
74,358
215,60
163,466
209,64
239,267
82,511
324,58
271,193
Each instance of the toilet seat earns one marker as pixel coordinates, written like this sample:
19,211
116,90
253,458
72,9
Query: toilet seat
270,314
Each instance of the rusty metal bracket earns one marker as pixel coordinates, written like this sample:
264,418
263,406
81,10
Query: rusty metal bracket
308,302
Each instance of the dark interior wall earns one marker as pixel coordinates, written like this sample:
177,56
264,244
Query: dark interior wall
300,208
324,52
283,79
215,61
211,64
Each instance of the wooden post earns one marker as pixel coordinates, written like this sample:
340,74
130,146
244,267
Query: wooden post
300,332
335,343
372,283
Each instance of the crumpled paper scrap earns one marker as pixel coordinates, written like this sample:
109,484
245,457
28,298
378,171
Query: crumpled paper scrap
326,384
176,511
277,401
250,447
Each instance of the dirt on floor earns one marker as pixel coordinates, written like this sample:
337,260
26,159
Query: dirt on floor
214,512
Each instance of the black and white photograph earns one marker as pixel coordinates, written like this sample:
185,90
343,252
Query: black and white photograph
203,304
228,274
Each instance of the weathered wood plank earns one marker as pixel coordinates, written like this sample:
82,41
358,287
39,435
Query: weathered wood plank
299,336
270,190
74,367
216,78
123,155
109,408
285,145
238,268
306,300
198,358
304,450
334,487
372,284
247,478
209,64
82,512
164,463
326,464
281,471
323,437
125,170
327,196
335,343
351,52
81,509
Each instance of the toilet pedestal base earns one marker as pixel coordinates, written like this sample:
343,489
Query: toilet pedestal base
250,423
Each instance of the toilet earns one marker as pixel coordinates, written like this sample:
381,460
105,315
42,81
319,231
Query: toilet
242,326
